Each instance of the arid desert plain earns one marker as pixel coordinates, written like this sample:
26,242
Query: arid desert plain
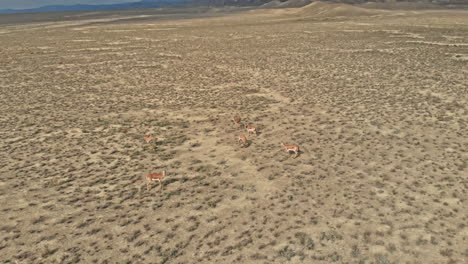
376,100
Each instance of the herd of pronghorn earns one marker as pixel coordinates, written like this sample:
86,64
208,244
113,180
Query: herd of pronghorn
241,140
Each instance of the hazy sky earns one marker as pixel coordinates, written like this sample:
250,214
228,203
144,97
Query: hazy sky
20,4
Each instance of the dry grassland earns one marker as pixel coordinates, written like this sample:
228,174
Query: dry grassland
377,102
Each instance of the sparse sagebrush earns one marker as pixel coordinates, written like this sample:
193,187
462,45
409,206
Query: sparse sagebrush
48,252
305,240
372,185
286,253
382,259
330,236
355,252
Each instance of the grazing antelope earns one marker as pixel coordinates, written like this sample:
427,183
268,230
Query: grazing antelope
251,129
148,138
236,120
293,148
242,139
154,177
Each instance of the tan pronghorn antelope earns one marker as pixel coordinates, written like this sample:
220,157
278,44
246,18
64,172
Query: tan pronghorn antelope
251,129
242,139
236,120
154,177
291,148
148,138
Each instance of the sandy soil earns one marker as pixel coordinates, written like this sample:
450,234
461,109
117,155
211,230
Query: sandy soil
377,104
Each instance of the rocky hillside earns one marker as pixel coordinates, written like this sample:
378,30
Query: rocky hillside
285,3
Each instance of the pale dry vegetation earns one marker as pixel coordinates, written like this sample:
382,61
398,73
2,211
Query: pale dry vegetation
376,104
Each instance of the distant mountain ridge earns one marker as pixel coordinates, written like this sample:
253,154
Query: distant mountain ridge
79,7
215,3
299,3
